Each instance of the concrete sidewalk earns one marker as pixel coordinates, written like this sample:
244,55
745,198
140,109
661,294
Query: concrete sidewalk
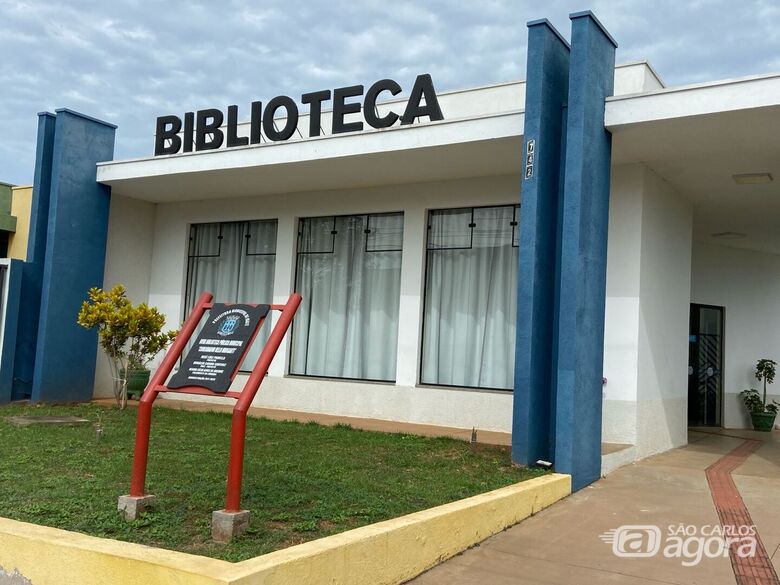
561,545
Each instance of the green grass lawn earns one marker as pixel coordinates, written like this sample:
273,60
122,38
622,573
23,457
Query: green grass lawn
301,481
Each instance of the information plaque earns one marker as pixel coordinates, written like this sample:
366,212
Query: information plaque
219,347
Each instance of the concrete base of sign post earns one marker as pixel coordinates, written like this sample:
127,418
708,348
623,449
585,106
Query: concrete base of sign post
225,526
132,506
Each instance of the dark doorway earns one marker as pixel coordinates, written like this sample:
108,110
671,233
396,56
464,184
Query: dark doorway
705,366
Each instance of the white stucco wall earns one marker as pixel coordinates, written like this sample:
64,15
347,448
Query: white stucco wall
662,373
747,284
621,325
646,315
128,261
402,401
646,324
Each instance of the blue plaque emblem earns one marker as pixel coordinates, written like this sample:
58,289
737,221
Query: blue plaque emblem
228,326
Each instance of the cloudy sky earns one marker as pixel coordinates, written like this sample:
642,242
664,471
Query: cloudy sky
128,61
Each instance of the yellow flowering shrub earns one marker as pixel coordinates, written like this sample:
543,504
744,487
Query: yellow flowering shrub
130,335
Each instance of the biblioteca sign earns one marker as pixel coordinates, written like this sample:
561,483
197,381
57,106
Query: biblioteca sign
206,129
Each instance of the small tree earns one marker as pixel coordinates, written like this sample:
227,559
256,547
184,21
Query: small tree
765,372
130,336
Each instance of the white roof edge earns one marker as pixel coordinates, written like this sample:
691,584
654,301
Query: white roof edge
511,82
521,81
396,100
315,138
429,136
646,64
516,82
695,86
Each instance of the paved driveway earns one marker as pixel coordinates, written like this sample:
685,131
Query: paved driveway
715,480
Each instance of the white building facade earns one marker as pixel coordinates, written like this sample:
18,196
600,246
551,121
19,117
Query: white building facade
404,243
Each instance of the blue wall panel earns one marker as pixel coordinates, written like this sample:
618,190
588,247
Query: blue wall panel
583,268
546,94
74,258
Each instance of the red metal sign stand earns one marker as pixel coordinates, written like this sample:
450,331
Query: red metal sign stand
138,499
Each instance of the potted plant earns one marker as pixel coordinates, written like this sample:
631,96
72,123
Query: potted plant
762,414
129,335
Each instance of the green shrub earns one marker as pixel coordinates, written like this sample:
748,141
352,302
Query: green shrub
754,402
129,335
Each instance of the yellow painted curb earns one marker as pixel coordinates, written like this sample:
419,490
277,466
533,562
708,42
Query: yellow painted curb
396,550
49,556
388,552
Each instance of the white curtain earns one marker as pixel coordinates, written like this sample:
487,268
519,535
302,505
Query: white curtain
349,275
235,262
470,298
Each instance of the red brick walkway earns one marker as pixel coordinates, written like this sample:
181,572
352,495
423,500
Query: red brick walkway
733,514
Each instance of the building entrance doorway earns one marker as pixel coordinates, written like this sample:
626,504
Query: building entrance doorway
705,366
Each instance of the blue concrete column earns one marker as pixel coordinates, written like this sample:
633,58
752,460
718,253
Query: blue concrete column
583,270
39,213
74,257
32,269
11,290
547,85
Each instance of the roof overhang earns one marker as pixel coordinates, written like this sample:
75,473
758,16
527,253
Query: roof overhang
696,138
449,149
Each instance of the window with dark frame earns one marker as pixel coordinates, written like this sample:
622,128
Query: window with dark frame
470,297
348,272
234,261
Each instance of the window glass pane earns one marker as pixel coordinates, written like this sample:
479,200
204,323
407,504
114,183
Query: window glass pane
205,239
218,270
316,235
261,237
386,232
238,269
347,324
492,227
470,300
449,228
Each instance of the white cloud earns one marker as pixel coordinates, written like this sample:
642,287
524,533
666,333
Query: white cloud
73,94
131,61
